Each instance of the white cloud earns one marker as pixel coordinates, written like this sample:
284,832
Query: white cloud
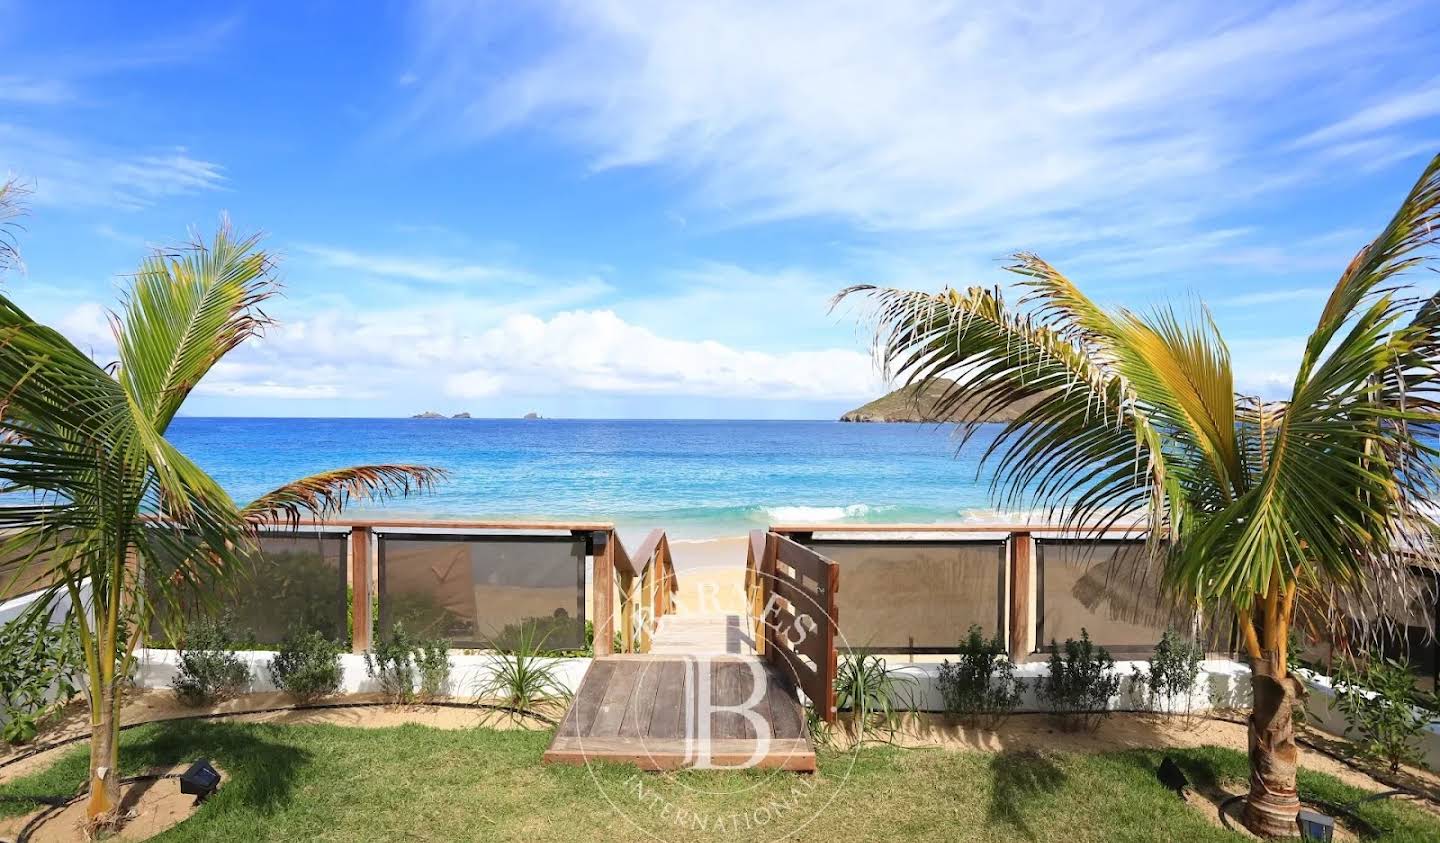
909,116
1384,115
438,350
29,90
412,268
66,172
599,351
1276,296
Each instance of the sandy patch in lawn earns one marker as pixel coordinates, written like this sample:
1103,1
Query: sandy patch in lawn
161,705
150,806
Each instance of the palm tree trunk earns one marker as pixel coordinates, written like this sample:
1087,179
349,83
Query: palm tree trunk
1274,802
104,756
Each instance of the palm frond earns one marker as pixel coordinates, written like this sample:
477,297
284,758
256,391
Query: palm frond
184,312
1083,453
12,208
326,494
1343,496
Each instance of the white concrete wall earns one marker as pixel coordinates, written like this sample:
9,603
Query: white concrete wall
1222,684
156,669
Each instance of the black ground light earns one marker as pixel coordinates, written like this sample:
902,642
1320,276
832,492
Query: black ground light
1315,826
200,780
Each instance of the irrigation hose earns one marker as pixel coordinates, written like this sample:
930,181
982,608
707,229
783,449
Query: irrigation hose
217,715
1347,810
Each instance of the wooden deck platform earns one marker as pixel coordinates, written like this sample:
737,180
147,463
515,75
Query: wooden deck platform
643,709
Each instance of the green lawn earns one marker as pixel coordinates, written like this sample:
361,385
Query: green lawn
417,783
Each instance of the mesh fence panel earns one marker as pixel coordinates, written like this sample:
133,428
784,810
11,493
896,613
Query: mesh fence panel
922,595
296,584
1109,588
485,591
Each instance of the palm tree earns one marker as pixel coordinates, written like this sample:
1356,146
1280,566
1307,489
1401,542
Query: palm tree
1248,503
102,502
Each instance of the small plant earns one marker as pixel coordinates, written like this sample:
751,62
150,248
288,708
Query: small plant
1080,684
1174,667
38,662
209,670
873,692
820,733
980,687
432,658
307,666
399,661
523,680
1377,696
389,662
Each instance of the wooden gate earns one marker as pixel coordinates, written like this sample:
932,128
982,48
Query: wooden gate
792,591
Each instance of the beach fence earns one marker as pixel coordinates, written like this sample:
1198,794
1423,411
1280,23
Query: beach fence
475,584
917,589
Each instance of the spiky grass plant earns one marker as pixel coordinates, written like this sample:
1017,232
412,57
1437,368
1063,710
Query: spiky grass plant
525,680
873,693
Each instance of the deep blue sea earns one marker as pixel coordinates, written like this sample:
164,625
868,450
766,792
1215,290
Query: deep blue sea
698,479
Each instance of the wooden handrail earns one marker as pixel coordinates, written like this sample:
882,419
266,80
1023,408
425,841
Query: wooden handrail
652,587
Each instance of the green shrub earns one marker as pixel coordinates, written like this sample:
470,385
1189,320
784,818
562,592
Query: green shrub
307,666
209,670
1174,667
400,662
1378,698
1080,684
875,693
432,658
980,687
35,658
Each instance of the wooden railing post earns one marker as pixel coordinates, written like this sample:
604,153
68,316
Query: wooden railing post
361,589
1022,597
603,584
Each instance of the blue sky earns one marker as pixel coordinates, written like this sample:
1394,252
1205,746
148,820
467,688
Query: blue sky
639,209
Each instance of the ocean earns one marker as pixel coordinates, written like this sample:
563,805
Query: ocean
697,479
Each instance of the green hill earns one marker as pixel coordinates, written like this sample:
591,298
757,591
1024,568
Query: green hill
916,403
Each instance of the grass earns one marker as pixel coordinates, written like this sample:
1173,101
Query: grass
335,783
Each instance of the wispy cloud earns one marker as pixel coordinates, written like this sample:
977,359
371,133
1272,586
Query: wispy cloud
1389,113
414,268
66,172
1276,296
915,116
28,90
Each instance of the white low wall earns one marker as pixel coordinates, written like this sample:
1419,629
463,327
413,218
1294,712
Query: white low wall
156,669
1222,684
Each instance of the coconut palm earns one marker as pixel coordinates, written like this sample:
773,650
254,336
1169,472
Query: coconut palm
97,498
1248,503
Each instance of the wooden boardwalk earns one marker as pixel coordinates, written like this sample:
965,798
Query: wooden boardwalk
649,710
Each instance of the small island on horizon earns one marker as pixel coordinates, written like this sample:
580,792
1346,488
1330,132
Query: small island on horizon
917,403
431,414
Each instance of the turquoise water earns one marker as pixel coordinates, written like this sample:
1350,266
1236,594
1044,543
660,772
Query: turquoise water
697,479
